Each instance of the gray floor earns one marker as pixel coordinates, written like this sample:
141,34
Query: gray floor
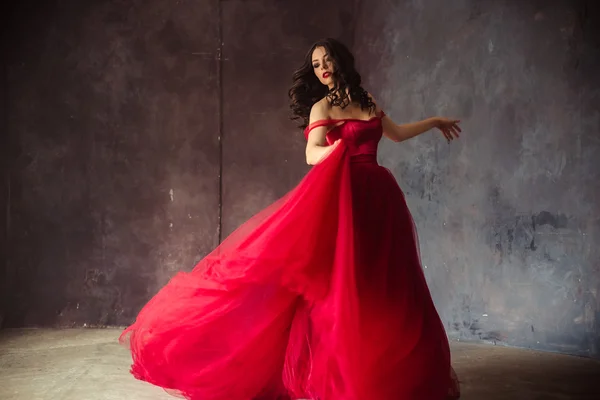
88,364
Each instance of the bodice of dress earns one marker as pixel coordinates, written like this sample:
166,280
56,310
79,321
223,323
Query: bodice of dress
361,137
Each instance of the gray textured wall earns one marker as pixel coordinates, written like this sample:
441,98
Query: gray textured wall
509,216
135,126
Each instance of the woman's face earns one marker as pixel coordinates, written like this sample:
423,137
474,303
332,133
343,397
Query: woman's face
323,66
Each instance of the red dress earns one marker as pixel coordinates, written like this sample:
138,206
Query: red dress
319,296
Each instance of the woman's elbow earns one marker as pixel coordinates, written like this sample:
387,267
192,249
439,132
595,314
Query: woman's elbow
395,134
309,159
312,155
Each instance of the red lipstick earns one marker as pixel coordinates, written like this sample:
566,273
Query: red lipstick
326,75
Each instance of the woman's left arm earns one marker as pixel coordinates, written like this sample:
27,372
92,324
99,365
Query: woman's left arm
401,132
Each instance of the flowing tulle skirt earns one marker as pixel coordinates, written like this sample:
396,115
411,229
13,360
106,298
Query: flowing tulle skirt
321,295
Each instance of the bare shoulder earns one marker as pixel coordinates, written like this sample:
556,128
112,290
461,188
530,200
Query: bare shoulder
319,110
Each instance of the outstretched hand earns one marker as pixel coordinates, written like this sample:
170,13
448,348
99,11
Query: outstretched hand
449,128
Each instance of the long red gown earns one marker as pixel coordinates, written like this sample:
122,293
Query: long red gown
319,296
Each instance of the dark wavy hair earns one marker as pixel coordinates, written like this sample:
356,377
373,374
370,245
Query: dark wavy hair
306,88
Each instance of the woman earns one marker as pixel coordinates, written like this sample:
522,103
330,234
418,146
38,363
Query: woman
321,295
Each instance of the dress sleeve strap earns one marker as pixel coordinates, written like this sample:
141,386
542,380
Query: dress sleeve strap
316,124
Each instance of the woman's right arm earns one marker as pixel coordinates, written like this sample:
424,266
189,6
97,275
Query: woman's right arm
316,145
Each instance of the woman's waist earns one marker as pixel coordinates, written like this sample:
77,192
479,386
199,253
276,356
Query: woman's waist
364,158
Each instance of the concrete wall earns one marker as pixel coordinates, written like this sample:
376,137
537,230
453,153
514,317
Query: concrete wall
142,132
115,180
509,216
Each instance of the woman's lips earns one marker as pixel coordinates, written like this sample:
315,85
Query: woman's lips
326,75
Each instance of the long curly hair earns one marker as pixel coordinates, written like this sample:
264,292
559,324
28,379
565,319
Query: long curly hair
306,88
